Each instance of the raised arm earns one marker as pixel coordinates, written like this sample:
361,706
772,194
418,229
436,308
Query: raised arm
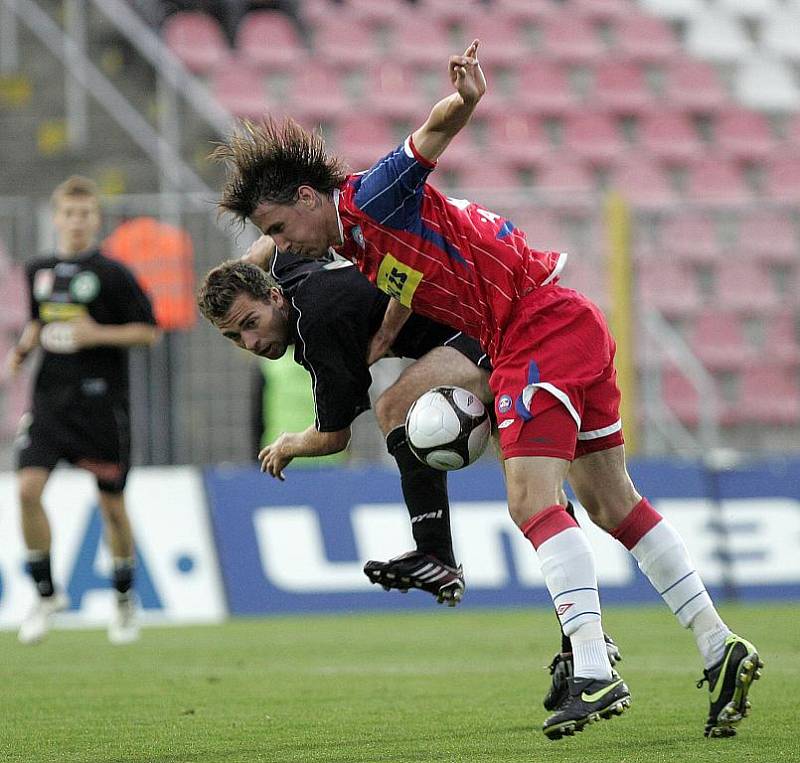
451,114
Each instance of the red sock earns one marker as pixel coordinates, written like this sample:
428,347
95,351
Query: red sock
547,523
637,524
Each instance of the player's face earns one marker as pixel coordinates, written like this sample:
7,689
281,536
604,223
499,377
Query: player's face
306,228
257,326
77,222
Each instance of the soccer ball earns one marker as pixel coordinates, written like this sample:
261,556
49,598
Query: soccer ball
447,428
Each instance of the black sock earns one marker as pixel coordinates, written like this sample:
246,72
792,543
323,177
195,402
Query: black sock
38,567
566,644
425,493
122,577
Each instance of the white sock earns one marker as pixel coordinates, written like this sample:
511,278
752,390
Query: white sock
710,632
567,565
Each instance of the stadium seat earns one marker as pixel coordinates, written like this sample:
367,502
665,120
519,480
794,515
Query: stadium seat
694,86
755,10
779,35
770,236
571,39
670,136
582,274
716,36
517,139
668,287
501,39
645,39
382,14
621,86
793,131
564,177
543,88
782,177
363,142
427,48
745,286
716,180
13,297
196,39
239,87
782,338
594,137
485,182
690,235
544,231
447,12
675,10
345,42
744,134
393,91
316,94
767,84
642,183
717,338
768,395
524,12
270,40
681,396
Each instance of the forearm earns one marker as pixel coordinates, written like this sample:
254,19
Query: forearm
393,321
126,335
311,442
29,339
447,118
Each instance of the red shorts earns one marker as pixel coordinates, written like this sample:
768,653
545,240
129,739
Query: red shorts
554,382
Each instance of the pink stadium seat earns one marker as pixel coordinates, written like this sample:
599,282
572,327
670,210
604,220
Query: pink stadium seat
621,87
584,276
793,130
600,10
316,94
716,180
345,42
544,231
525,11
448,12
14,298
670,136
770,236
543,88
681,396
393,91
384,13
768,395
668,286
695,86
745,134
196,39
745,286
782,177
717,338
782,338
363,142
645,39
517,139
428,47
239,87
483,181
564,177
501,39
462,154
642,182
594,137
571,39
270,40
690,235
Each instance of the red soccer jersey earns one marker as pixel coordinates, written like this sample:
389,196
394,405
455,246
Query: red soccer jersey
445,258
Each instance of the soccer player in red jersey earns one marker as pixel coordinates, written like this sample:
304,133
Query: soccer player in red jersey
554,382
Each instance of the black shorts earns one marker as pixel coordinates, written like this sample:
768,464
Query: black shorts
93,434
420,335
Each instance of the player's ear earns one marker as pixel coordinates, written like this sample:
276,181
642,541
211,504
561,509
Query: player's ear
307,196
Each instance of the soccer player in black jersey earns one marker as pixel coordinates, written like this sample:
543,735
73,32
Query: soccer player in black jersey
85,311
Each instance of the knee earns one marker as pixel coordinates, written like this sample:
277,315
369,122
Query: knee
113,511
30,496
524,502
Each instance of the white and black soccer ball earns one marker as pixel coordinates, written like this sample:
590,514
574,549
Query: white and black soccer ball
447,428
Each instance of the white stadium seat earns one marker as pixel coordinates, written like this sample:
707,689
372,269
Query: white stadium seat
749,9
780,34
674,9
718,37
768,84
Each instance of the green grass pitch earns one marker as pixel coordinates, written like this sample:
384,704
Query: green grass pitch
439,686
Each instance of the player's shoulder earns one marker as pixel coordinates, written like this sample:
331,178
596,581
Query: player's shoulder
332,294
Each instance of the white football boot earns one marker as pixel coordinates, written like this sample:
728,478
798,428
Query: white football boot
124,625
35,626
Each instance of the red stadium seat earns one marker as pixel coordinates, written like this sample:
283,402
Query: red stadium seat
543,88
594,137
668,286
565,177
642,183
716,180
771,236
571,39
599,10
363,142
782,177
645,39
621,87
793,130
382,14
481,181
196,39
690,235
316,94
681,396
345,42
745,134
782,338
448,12
695,86
428,47
517,139
745,286
393,91
239,87
13,297
544,231
524,11
718,340
670,136
501,39
270,40
768,395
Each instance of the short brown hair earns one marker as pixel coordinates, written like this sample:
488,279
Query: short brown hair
269,161
227,281
76,186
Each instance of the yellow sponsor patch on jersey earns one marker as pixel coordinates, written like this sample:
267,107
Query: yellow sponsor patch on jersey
398,280
60,311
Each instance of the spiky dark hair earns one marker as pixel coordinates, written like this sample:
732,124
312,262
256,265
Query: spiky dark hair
269,161
227,281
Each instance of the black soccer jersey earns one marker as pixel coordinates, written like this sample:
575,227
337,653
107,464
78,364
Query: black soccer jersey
335,312
67,289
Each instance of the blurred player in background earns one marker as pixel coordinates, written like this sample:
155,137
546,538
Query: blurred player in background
86,310
553,377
